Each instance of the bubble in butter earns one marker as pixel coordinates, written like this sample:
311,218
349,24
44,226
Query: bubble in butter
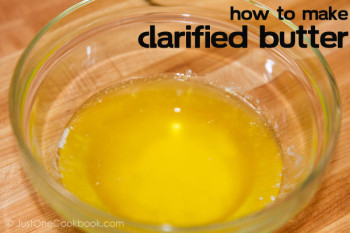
169,151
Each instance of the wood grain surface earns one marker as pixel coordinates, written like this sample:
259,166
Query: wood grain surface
20,20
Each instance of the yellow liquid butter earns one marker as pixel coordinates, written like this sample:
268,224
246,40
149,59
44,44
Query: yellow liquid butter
166,151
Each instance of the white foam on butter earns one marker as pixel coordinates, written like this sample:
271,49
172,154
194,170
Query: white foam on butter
64,138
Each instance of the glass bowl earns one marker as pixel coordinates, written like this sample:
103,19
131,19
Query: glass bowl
94,44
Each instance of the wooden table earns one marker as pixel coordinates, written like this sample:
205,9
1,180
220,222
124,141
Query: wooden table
20,20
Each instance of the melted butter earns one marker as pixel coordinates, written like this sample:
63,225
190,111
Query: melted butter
170,151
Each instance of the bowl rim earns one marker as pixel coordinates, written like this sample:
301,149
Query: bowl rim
40,173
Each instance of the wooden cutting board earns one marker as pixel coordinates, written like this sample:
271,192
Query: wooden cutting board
20,20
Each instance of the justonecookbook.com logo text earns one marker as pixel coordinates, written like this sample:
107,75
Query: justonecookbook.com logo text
58,223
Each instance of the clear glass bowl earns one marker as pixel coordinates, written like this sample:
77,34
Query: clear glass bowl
94,45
